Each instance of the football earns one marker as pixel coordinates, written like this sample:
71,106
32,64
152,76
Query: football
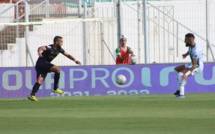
133,60
120,79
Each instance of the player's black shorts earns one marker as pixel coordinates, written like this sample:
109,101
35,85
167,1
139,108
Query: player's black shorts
43,67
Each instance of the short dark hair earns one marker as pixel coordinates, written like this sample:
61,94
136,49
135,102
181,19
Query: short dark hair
189,35
56,38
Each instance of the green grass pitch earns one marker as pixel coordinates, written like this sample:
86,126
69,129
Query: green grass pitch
134,114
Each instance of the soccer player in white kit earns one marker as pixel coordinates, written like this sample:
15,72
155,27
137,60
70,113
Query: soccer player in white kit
196,66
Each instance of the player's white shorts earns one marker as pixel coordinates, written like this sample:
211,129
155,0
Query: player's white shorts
197,70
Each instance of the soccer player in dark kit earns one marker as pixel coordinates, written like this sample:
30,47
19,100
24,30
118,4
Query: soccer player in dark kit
43,65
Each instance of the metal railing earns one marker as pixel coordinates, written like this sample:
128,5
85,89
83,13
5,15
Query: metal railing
26,9
45,9
177,24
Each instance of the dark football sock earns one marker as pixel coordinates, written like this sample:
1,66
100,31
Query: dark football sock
35,88
56,80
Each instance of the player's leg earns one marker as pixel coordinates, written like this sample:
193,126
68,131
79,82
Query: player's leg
182,82
180,68
57,71
42,68
177,70
40,78
183,79
184,74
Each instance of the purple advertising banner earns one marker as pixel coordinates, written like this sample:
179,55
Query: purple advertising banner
100,80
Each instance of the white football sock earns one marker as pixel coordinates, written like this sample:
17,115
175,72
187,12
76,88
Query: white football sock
176,74
183,83
180,75
181,90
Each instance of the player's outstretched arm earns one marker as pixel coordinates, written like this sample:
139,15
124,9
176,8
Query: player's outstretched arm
72,58
40,50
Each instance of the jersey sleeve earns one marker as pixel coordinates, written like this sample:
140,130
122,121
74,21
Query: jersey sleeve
62,51
196,54
118,51
48,47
